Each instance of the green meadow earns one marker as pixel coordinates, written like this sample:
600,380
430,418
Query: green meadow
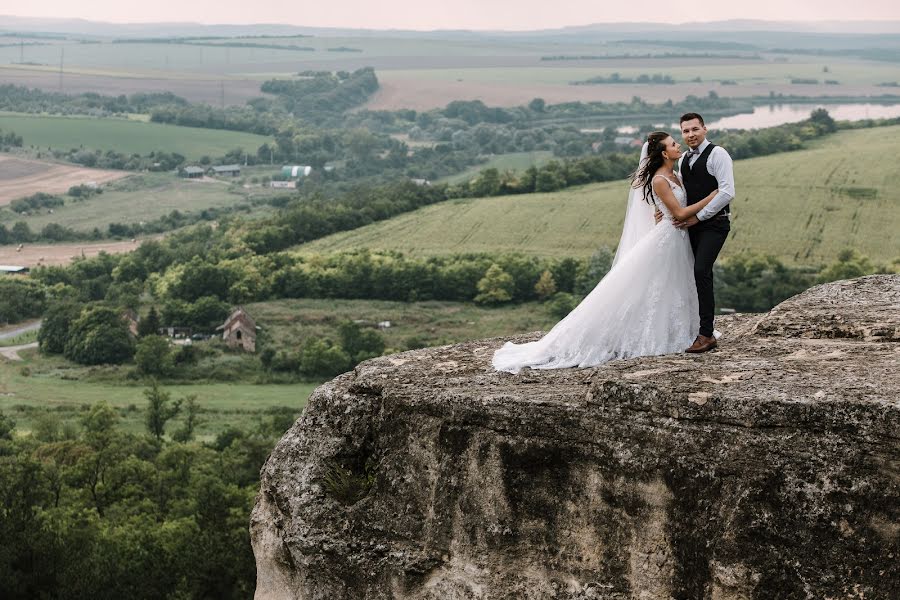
126,135
39,384
802,207
51,383
140,197
287,323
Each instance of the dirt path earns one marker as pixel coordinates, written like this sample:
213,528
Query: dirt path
12,352
33,255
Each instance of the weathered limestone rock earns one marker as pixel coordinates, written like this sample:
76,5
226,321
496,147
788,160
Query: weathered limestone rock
768,469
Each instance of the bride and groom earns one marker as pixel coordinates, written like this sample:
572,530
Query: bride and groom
658,296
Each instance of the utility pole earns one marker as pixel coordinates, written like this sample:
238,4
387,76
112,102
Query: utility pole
62,54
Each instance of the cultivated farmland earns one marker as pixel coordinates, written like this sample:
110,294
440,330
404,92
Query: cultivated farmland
33,255
141,197
127,136
427,71
803,207
19,178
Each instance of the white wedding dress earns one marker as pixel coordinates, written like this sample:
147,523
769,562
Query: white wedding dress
646,305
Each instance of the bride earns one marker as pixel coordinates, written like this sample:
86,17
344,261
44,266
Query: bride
647,303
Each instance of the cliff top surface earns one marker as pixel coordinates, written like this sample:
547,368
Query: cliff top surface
768,468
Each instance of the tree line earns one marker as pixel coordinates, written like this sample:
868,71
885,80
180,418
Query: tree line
90,510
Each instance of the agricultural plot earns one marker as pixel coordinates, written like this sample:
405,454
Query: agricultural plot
425,88
19,177
802,207
142,197
426,72
33,255
127,136
197,88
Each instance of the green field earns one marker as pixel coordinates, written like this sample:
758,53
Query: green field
288,322
142,197
128,136
803,207
514,161
50,383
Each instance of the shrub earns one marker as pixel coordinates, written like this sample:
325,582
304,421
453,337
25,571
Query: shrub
54,329
561,304
153,356
99,336
321,358
495,287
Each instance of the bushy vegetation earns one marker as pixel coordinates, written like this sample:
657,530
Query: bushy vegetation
655,78
90,510
21,299
22,99
10,139
97,335
36,202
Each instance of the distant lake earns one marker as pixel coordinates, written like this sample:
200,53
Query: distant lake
771,115
778,114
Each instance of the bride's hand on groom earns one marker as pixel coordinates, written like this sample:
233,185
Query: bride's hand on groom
689,222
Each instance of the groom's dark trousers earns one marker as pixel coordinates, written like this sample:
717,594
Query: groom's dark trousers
707,238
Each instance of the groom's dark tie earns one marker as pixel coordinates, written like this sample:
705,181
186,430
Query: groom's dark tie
689,155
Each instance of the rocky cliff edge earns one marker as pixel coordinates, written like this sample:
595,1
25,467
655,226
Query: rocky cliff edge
768,469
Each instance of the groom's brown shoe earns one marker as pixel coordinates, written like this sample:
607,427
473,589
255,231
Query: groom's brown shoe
702,344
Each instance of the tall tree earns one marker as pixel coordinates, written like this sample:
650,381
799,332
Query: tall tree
159,409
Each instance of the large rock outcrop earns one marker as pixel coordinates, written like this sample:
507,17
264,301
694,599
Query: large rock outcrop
768,469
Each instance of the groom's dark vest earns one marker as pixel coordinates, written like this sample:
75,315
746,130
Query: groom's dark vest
698,183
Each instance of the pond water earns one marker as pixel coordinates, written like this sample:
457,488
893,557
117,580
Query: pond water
778,114
772,115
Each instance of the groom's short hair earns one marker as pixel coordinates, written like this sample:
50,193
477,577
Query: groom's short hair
691,117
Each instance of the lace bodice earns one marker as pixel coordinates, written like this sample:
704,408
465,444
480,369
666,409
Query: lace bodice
679,192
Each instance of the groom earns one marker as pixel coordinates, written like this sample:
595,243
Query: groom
706,167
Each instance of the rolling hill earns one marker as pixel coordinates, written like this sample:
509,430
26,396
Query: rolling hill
803,207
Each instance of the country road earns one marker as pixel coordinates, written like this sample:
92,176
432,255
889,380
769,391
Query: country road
12,352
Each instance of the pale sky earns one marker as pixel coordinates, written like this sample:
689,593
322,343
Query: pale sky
456,14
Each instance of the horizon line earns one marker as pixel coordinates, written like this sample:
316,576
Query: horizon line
761,22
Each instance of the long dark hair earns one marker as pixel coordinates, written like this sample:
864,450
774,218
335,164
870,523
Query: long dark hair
643,176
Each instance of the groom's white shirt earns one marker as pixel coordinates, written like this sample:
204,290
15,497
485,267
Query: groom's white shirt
720,166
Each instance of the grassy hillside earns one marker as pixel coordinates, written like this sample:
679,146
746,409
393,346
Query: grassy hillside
142,197
803,207
126,136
